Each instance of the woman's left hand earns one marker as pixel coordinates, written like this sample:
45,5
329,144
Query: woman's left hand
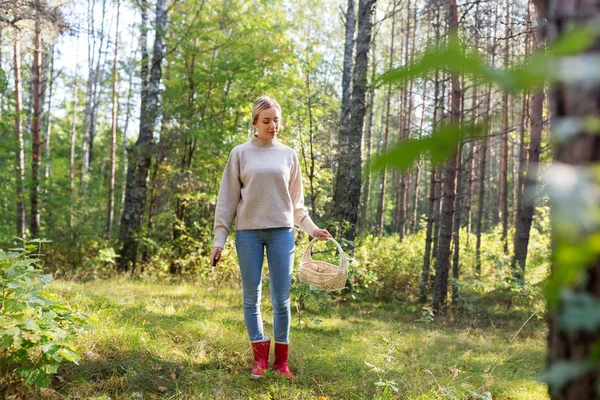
322,234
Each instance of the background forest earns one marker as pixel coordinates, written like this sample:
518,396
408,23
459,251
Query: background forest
117,119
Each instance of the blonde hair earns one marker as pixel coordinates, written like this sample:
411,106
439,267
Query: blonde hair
262,104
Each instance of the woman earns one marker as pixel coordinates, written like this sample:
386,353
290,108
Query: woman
262,188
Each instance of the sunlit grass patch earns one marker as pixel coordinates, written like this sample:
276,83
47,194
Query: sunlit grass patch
186,341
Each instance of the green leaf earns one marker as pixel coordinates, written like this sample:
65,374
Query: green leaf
15,334
439,146
30,325
42,380
5,342
68,355
581,312
575,41
562,372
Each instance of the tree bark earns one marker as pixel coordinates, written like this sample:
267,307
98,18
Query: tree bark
349,173
386,136
136,191
366,195
34,223
48,123
113,133
503,187
575,100
350,25
527,209
20,158
87,120
442,264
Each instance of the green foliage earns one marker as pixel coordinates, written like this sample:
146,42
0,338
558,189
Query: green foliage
541,66
392,268
37,329
442,142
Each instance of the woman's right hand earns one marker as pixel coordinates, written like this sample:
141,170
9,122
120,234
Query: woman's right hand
215,255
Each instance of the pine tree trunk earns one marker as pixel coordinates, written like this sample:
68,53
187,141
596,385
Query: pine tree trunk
482,185
386,136
366,195
503,187
113,134
136,190
526,209
349,174
456,227
34,223
20,157
428,239
442,263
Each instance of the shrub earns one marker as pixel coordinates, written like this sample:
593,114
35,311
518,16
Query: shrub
37,329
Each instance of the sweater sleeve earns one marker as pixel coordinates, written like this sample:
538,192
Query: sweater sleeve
301,217
227,200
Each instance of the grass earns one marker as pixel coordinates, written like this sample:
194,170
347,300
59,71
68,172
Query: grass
188,341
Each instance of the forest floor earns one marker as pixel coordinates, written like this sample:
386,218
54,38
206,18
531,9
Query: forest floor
188,341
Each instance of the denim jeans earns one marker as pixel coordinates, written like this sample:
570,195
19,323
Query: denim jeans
250,246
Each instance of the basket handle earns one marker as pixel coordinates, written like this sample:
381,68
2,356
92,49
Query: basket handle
307,256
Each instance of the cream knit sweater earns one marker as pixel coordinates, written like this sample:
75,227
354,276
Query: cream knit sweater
262,187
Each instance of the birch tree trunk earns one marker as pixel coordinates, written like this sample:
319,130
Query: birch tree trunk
34,223
20,158
350,25
48,124
113,134
142,152
87,121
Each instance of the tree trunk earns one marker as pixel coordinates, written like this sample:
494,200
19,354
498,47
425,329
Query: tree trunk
350,24
72,155
386,136
366,195
456,223
87,121
442,263
125,128
578,100
113,134
503,187
428,239
349,175
97,88
136,191
482,185
34,223
48,123
528,178
20,158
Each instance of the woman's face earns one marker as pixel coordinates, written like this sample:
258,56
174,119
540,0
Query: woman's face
268,123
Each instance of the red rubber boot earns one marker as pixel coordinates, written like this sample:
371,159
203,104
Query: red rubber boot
261,358
281,359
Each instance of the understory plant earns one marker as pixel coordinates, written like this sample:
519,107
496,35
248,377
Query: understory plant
37,328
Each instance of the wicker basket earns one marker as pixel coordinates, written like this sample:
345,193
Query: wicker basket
321,274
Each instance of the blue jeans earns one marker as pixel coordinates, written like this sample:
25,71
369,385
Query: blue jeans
250,246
